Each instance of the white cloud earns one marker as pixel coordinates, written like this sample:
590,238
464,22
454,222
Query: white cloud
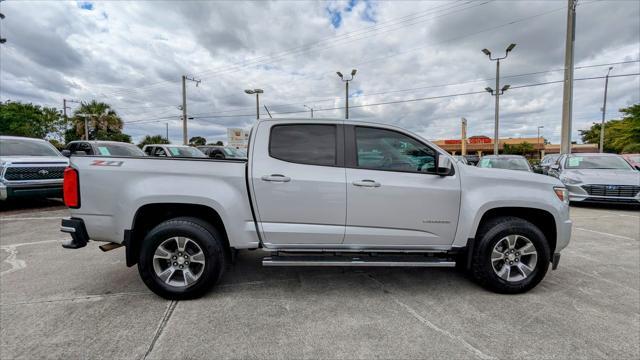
132,55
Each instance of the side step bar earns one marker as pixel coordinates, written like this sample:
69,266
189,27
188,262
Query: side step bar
386,261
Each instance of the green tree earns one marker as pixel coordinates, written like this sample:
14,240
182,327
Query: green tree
20,119
523,148
153,139
197,141
103,123
617,133
631,149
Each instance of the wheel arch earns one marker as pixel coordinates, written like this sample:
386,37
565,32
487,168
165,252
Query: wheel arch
150,215
543,219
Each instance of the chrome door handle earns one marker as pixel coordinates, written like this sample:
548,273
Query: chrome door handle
366,183
276,178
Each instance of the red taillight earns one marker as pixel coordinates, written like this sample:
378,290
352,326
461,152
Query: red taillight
71,187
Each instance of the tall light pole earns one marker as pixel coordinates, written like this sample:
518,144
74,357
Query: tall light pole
567,94
257,92
167,128
538,140
185,139
497,92
346,96
310,108
604,109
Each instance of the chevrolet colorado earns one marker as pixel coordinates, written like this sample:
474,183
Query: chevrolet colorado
318,193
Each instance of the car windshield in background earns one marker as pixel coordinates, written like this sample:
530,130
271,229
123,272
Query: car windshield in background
596,162
505,163
635,158
12,147
234,153
119,150
184,151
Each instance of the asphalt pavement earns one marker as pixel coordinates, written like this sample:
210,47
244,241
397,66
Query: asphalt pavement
72,304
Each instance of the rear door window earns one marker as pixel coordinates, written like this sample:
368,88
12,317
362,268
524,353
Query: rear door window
312,144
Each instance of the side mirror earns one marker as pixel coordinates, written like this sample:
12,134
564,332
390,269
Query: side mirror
444,165
537,169
555,167
66,152
638,167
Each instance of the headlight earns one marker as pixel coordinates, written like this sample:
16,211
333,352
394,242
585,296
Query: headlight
562,194
570,181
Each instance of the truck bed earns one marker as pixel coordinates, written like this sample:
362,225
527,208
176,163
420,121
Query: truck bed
113,189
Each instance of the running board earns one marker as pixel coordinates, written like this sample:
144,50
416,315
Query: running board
386,261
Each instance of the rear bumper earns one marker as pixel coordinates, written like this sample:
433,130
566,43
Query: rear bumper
75,227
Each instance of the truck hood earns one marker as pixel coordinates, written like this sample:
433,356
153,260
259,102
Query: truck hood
34,159
604,176
523,177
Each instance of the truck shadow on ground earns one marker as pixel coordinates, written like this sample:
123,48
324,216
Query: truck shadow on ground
16,205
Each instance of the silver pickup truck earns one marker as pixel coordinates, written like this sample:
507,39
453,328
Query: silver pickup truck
318,193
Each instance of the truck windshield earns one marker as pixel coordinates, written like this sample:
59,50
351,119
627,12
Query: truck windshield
15,147
505,163
596,162
185,151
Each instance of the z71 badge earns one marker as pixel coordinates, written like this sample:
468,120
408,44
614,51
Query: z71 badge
106,163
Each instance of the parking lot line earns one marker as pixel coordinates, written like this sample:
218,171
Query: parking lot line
606,234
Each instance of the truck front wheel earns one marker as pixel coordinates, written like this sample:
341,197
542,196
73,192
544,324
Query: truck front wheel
181,258
511,256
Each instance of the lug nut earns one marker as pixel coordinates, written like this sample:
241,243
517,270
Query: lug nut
510,262
179,254
186,263
181,266
174,258
175,264
517,259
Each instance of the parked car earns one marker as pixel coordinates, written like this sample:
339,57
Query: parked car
319,193
101,147
510,162
30,168
472,159
164,150
461,159
546,163
633,160
598,178
223,152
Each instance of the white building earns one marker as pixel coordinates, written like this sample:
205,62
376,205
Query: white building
237,138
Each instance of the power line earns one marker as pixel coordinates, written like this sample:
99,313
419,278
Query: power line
390,102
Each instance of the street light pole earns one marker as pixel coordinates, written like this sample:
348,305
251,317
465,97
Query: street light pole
185,139
257,92
538,141
497,94
346,96
604,109
310,108
567,94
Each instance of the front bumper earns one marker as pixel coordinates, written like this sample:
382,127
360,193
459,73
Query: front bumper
22,189
78,231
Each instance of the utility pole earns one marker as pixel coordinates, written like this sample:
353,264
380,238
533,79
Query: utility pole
538,141
567,96
497,93
463,144
257,92
310,108
167,129
185,139
346,95
604,109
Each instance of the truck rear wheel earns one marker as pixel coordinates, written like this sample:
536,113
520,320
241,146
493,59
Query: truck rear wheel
511,256
181,258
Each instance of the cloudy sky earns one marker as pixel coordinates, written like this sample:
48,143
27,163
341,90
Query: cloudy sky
132,55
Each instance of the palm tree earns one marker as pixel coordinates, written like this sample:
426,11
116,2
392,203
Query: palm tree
102,120
153,139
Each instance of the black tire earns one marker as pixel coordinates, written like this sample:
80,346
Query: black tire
204,235
492,232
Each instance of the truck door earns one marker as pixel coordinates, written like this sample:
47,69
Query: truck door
298,183
394,197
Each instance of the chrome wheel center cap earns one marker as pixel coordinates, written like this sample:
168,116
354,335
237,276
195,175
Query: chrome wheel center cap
511,257
180,260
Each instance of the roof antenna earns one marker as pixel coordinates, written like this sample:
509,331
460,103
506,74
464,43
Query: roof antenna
265,107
